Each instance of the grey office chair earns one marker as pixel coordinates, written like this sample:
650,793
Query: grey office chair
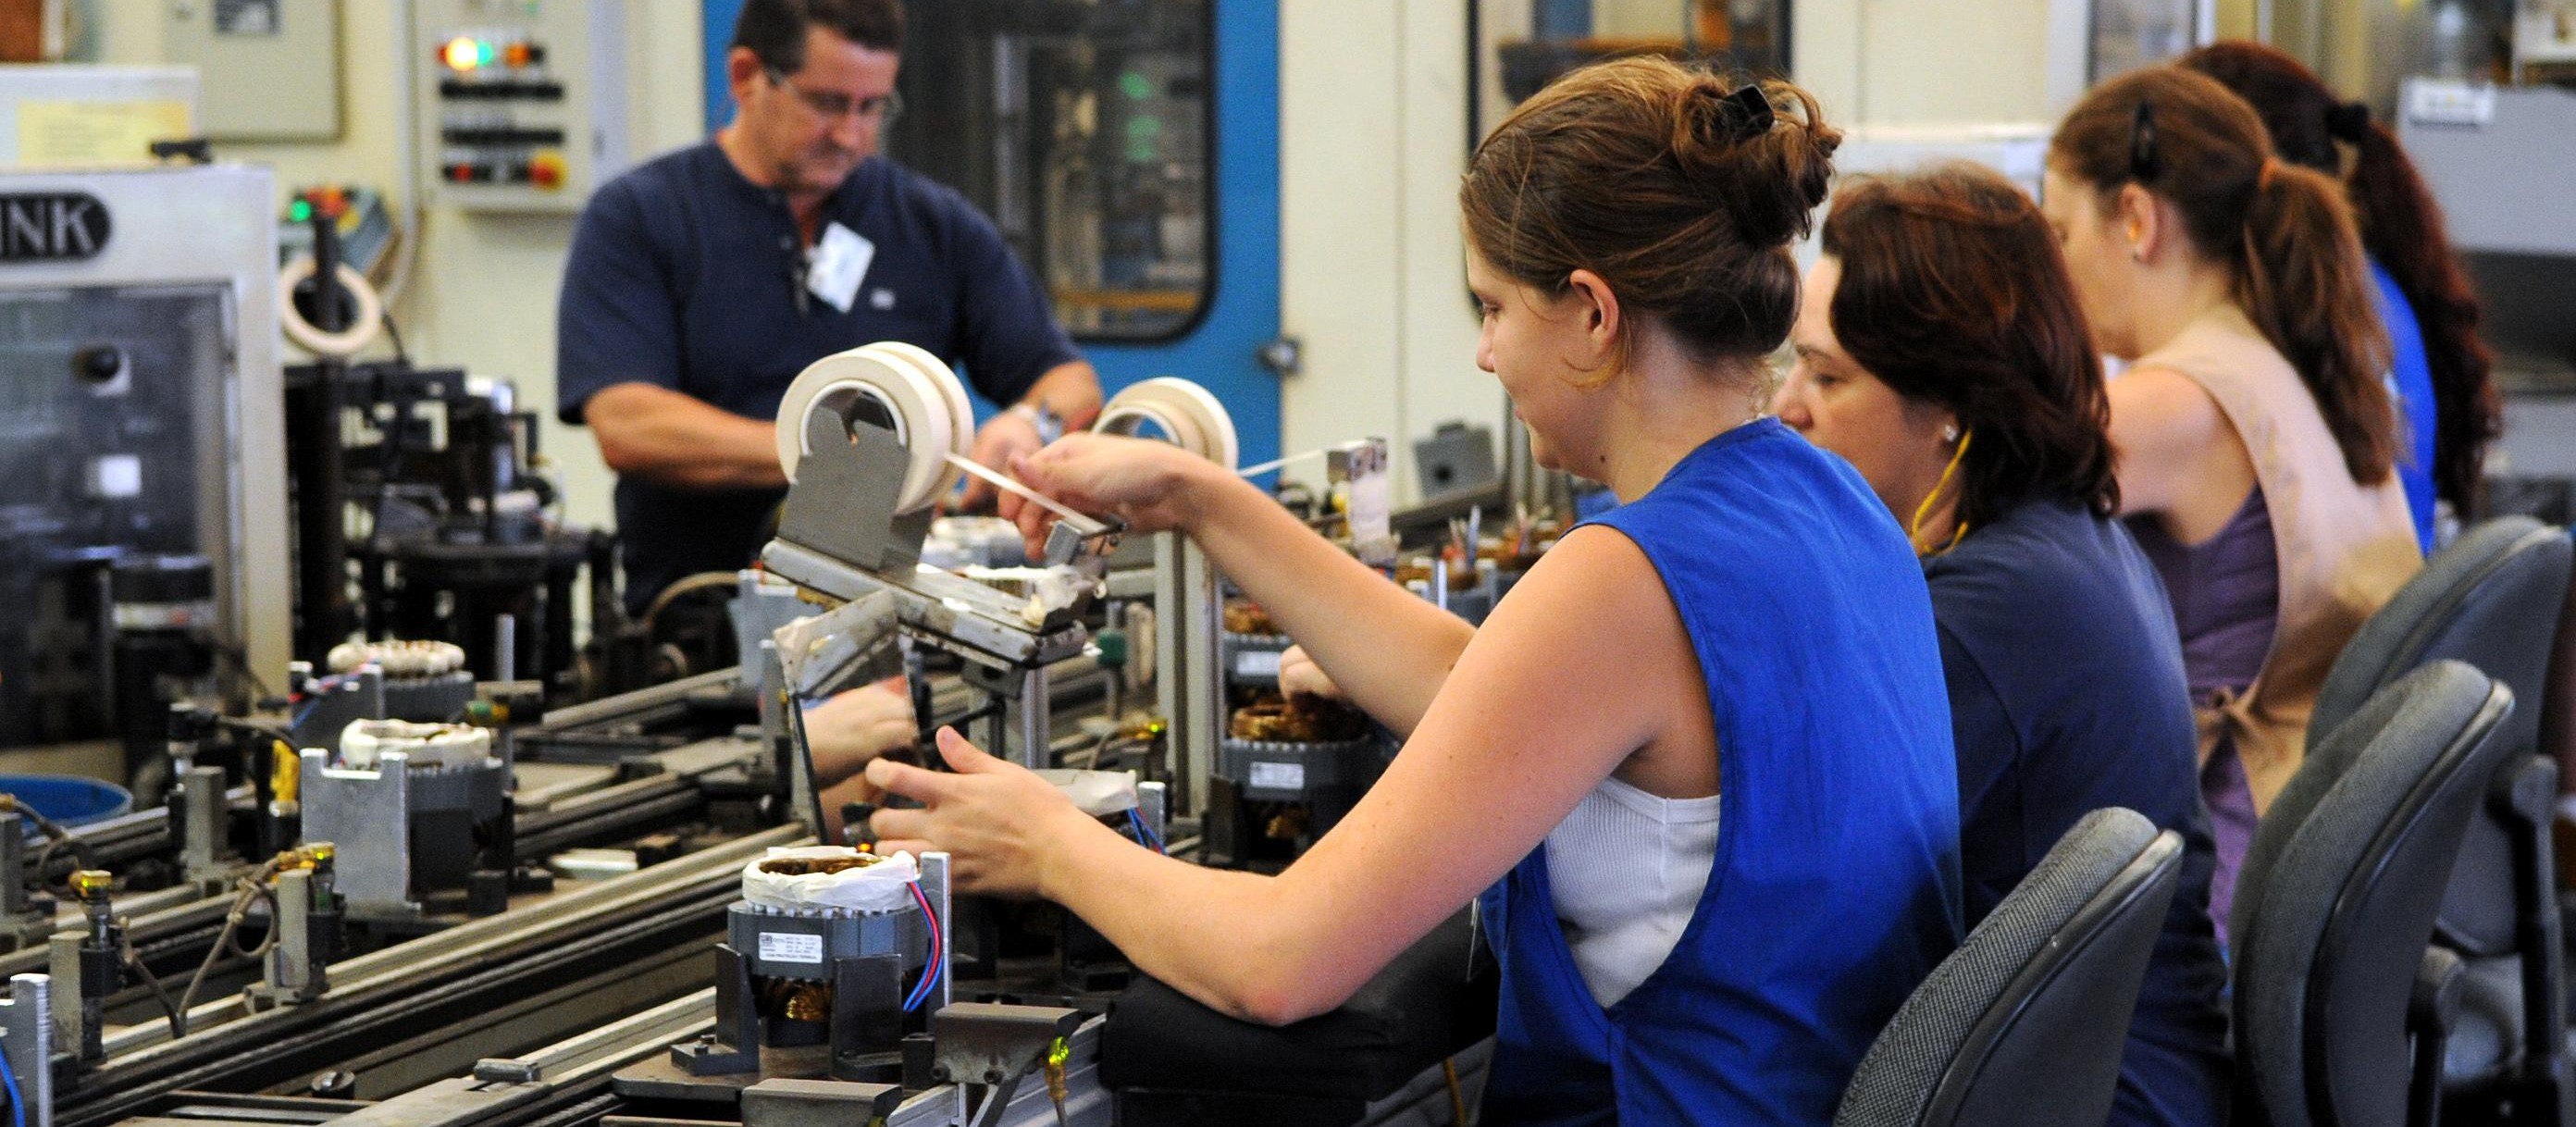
2342,1006
2492,599
2025,1022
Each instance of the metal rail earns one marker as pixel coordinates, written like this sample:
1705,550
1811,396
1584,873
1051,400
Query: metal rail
574,929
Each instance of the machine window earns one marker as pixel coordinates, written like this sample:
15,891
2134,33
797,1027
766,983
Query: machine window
1083,130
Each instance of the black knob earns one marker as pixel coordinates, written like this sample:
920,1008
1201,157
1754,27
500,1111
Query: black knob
98,363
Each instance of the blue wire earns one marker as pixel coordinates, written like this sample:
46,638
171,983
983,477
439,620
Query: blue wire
17,1106
929,974
1144,837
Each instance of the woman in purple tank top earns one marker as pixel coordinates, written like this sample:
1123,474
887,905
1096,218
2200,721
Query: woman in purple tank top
2256,436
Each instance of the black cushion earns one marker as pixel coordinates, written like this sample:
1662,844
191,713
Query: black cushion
1424,1007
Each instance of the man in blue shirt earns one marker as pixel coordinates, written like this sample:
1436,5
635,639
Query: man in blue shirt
702,282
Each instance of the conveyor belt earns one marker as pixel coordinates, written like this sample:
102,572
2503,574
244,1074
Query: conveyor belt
447,978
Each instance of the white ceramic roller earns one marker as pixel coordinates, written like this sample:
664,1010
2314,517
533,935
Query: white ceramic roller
1188,415
928,405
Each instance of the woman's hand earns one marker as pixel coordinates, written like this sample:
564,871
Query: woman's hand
1139,481
998,821
852,729
1300,676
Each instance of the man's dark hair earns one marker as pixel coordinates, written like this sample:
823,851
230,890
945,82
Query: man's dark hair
774,30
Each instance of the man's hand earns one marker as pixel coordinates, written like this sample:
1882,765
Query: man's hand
1004,437
855,728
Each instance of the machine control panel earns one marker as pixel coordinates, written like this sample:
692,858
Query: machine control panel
522,102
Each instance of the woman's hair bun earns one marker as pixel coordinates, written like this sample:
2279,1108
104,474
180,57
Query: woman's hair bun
1681,188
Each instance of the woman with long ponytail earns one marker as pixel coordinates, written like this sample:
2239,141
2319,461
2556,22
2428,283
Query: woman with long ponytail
2443,372
2254,429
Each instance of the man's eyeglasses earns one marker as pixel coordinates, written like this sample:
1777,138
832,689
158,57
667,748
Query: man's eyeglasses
879,111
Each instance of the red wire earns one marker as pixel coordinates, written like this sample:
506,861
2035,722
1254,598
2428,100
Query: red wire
937,952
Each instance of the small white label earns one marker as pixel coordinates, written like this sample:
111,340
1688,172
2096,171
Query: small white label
840,263
789,947
2434,102
1256,663
1270,776
1371,501
113,476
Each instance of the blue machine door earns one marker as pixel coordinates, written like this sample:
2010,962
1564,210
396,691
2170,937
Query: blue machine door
1129,152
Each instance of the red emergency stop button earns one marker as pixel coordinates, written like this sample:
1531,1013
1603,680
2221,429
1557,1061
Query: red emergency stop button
546,170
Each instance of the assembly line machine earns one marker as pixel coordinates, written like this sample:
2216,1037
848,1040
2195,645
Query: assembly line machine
399,899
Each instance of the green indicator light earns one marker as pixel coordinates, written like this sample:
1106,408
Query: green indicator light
1135,85
301,211
482,53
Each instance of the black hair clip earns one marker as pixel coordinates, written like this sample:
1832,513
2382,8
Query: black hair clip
2144,161
1747,112
2348,122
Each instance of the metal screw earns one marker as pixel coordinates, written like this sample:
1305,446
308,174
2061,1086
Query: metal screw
939,1072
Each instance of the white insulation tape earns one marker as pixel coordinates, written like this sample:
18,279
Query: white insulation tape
931,417
1190,417
347,342
875,889
422,745
1099,793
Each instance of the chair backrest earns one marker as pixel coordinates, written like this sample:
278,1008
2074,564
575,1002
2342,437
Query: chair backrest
2558,699
2491,599
2336,897
2026,1021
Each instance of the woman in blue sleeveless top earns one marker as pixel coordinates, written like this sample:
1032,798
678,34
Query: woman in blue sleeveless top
1697,764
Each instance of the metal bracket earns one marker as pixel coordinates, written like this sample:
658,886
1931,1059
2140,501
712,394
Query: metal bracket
27,1036
984,1043
734,1046
25,919
204,852
842,504
794,1103
848,645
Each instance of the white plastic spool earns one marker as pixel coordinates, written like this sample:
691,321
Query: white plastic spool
927,403
306,335
1188,415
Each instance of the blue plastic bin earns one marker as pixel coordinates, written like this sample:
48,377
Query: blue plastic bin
70,800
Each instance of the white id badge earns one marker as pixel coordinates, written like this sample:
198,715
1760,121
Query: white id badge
841,259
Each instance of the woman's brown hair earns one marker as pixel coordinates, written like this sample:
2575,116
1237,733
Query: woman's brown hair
2284,231
1953,292
2401,227
1680,190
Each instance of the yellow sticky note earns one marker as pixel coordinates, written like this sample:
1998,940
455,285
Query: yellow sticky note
61,133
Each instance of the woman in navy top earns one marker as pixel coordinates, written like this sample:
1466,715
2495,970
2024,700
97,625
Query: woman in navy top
1940,349
1735,645
2440,370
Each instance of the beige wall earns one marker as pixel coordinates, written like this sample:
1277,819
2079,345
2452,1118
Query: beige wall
1373,137
1941,62
482,294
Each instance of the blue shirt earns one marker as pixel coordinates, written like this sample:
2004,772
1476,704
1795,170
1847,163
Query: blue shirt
2067,695
1833,889
684,275
2410,378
